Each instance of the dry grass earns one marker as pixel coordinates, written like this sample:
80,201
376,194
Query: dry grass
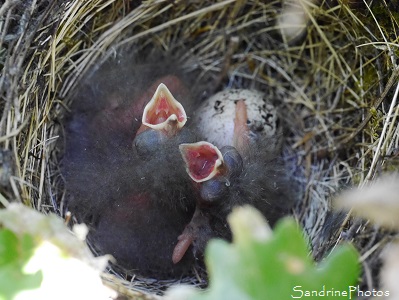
334,77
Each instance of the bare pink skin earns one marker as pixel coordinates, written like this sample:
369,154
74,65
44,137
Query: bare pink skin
124,116
189,235
241,130
184,242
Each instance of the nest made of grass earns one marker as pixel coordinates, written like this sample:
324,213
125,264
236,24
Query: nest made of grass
332,73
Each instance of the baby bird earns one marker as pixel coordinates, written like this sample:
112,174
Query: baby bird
248,169
124,174
149,185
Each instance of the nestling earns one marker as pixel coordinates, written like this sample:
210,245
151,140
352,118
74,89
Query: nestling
144,176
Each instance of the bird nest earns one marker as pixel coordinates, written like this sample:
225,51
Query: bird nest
329,68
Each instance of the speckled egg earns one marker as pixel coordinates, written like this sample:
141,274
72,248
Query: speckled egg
215,117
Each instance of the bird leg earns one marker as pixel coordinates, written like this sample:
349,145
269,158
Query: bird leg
241,130
163,112
196,230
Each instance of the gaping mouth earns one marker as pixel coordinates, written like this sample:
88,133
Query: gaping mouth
163,112
203,160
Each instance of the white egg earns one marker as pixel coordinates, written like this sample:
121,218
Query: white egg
215,117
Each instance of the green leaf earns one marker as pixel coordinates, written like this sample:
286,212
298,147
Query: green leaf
262,265
8,247
39,256
15,252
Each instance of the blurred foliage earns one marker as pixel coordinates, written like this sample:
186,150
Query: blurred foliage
15,252
39,256
261,264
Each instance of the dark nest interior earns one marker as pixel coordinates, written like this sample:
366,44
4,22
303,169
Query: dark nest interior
329,67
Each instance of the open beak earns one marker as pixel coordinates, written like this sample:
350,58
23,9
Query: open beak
163,112
203,160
